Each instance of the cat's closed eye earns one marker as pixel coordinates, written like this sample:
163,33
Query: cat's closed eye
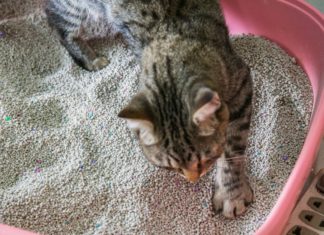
207,152
210,161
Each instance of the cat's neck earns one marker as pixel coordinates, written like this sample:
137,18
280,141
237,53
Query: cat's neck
172,45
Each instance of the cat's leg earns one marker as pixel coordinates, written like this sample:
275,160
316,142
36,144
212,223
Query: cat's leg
233,192
67,20
83,54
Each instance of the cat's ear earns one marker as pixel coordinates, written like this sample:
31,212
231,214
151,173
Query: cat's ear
206,103
139,117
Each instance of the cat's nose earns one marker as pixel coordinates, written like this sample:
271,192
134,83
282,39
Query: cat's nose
192,176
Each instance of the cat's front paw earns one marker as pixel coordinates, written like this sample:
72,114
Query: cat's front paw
232,203
100,63
97,64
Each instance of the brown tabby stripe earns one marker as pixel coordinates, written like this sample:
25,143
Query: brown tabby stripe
234,186
137,24
244,126
235,138
241,111
232,180
180,6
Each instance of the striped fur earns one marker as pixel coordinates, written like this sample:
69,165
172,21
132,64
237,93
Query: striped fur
194,104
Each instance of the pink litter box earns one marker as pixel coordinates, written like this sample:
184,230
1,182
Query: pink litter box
299,29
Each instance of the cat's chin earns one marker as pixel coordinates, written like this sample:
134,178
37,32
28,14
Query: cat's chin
201,175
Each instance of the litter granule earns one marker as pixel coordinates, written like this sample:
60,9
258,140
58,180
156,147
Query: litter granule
69,166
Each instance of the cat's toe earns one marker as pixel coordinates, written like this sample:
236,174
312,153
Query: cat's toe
218,205
233,208
99,63
93,65
230,206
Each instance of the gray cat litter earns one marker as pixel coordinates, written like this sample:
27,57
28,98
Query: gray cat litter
69,166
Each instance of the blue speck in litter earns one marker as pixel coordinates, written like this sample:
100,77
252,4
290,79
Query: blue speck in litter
273,185
2,34
285,158
90,115
109,133
205,204
65,119
196,188
98,225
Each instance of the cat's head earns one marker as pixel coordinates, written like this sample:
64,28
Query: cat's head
179,117
186,137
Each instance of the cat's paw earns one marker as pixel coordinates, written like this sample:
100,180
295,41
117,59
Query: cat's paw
97,64
100,63
233,204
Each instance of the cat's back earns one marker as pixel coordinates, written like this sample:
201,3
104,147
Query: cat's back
92,16
67,6
81,8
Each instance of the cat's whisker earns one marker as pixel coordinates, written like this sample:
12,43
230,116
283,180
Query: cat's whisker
236,157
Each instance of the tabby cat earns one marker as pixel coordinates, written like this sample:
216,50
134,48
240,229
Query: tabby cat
194,105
